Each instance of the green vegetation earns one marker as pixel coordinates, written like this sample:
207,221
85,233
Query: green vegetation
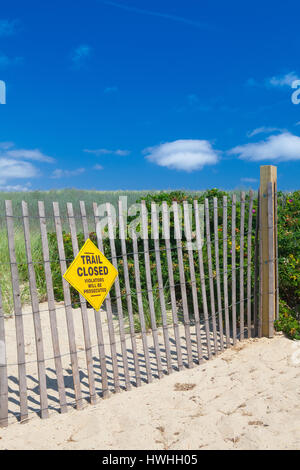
289,263
288,250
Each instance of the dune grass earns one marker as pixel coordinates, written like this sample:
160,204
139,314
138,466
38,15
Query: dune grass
5,275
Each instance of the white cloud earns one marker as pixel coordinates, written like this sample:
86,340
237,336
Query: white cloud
282,147
98,167
13,169
35,154
277,81
283,80
264,130
58,173
14,188
80,54
122,153
97,152
186,155
13,164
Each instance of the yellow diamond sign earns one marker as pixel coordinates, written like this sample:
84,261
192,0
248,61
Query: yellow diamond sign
91,274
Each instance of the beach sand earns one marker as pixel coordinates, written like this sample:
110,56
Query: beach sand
247,397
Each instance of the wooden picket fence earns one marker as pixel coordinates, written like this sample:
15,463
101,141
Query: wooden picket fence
178,301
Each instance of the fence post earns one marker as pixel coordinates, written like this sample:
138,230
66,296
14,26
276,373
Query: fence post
268,287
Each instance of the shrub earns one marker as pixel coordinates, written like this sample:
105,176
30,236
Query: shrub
288,322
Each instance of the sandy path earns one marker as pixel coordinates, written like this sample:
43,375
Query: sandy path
246,398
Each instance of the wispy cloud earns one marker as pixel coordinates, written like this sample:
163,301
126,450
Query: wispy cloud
98,152
264,130
194,102
8,27
192,99
6,61
14,187
7,150
277,81
80,55
251,82
167,16
98,167
282,80
111,89
185,155
249,180
281,147
6,145
59,173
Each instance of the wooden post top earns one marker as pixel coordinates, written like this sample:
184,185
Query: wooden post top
268,173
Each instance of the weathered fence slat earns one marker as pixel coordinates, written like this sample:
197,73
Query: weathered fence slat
111,236
154,224
52,311
210,275
186,319
3,371
233,267
249,246
216,239
271,260
44,413
166,236
128,295
150,290
188,234
68,307
140,305
256,271
199,243
84,313
108,308
260,303
97,315
17,311
225,274
242,227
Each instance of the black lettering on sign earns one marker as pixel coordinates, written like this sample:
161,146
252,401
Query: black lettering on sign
93,259
92,271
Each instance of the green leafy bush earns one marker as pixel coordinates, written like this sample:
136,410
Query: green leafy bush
289,262
288,322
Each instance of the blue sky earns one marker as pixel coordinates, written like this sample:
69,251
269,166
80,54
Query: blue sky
148,94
